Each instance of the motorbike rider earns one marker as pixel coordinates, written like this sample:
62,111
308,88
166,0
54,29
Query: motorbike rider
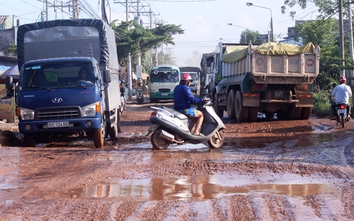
183,98
122,92
341,94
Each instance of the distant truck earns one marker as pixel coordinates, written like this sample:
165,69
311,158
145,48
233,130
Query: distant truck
195,74
272,78
53,100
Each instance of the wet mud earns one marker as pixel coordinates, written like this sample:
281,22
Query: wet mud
266,170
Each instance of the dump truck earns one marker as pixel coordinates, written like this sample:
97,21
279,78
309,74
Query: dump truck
53,100
272,78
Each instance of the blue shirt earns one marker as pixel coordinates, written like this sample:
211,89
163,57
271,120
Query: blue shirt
183,97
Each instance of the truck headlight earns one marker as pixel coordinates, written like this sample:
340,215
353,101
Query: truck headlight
25,114
90,110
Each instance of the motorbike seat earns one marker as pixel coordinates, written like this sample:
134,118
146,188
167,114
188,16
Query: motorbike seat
177,114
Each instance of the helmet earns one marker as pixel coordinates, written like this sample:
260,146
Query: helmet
122,81
186,77
342,79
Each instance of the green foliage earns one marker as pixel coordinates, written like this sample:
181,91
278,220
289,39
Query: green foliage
12,49
326,8
321,105
134,38
251,36
325,34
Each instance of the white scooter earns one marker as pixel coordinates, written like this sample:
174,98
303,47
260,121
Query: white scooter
169,126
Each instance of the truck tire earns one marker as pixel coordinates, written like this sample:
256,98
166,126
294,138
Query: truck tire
219,111
114,128
253,114
230,105
28,141
241,112
294,113
306,113
119,126
99,135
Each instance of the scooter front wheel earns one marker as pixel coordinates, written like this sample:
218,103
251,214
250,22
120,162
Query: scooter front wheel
217,140
157,142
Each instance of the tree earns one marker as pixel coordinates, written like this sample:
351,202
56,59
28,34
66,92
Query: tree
134,38
325,7
251,36
325,34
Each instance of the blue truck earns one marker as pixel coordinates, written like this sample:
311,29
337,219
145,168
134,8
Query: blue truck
53,100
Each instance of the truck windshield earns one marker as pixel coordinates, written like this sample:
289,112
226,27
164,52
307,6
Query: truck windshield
46,76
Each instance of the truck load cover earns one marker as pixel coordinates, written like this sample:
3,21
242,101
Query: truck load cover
82,38
269,78
272,62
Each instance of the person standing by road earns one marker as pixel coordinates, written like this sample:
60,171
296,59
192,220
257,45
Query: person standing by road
183,98
122,93
342,92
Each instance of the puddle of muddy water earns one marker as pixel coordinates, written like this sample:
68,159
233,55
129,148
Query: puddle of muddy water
199,187
261,142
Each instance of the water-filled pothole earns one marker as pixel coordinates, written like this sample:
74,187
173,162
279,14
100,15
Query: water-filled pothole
202,187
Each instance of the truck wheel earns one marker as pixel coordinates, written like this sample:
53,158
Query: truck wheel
119,126
230,106
28,141
99,135
294,113
114,128
241,112
219,111
306,113
253,114
281,115
269,115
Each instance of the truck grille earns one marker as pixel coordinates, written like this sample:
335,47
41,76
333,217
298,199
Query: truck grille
164,90
59,113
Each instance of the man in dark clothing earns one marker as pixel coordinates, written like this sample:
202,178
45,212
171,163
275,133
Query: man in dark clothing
183,98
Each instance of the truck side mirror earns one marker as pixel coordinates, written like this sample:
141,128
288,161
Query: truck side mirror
107,76
9,86
9,82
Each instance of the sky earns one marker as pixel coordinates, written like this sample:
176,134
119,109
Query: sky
205,22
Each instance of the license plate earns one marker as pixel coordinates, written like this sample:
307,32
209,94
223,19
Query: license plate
342,111
57,124
164,94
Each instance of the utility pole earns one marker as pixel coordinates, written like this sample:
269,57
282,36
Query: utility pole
350,74
341,35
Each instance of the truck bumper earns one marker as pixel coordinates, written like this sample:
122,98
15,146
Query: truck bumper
66,126
161,95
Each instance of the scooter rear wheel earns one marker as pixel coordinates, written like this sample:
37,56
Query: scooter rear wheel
217,140
157,142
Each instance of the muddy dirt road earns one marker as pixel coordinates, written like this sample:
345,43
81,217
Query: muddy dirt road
267,170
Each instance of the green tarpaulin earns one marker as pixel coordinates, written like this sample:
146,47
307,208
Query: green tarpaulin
235,53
